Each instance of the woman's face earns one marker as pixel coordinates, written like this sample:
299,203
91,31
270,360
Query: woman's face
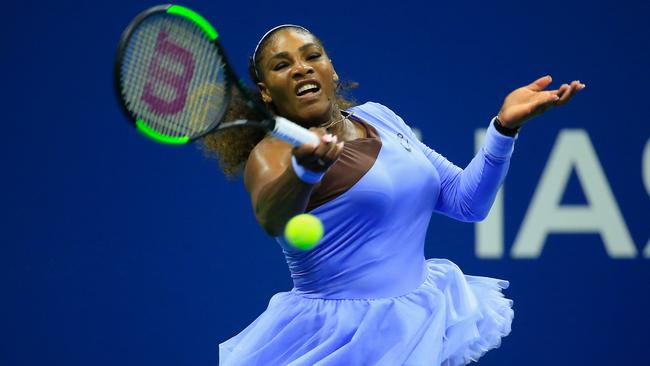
298,78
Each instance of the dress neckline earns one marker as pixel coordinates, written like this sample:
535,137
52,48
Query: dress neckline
371,132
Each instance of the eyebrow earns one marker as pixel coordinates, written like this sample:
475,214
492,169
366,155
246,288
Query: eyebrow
285,54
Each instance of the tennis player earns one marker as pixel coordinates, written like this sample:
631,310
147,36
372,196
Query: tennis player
366,295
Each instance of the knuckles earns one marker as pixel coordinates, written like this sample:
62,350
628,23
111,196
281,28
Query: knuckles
321,157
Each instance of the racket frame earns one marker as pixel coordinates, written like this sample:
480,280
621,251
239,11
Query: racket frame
277,125
230,77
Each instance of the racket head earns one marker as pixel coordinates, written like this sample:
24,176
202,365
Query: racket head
171,75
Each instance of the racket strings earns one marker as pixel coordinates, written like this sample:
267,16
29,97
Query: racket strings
173,78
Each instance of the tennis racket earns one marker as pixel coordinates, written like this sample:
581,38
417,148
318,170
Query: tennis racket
175,84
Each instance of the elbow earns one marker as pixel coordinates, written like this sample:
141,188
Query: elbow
475,214
272,231
480,216
472,218
271,227
268,229
480,213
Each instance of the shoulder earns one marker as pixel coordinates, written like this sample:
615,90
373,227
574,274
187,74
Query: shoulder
269,158
379,114
374,108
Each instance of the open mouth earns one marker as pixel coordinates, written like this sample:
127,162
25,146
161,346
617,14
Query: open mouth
307,88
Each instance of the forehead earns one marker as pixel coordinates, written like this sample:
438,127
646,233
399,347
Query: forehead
288,40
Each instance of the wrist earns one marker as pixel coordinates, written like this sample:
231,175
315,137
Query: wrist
496,144
304,174
508,131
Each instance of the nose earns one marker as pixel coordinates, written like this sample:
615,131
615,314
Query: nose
301,69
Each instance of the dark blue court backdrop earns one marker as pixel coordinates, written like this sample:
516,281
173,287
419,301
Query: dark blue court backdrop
119,251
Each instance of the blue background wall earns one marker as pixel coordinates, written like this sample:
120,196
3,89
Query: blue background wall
116,250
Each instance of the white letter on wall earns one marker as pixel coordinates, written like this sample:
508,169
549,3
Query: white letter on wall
489,232
646,181
546,215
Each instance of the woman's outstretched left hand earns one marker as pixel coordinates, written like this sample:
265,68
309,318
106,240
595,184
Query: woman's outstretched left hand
532,100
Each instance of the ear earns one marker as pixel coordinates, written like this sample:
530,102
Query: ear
266,96
335,77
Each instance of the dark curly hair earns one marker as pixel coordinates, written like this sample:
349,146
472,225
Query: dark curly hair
231,147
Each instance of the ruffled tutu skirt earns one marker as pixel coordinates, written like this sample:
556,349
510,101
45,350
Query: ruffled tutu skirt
451,319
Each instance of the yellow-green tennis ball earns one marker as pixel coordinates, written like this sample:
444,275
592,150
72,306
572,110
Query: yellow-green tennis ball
304,231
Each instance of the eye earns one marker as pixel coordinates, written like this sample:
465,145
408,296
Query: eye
313,56
280,66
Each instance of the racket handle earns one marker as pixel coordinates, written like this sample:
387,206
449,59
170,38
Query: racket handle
292,133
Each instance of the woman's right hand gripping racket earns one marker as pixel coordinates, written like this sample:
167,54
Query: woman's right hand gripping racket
175,83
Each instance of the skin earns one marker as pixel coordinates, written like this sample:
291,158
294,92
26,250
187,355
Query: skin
294,57
276,192
532,100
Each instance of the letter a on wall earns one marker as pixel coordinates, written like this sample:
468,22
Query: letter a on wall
546,215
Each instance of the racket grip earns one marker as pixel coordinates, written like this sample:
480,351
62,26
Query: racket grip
292,133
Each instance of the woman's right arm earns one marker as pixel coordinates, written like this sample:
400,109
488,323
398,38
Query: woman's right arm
277,193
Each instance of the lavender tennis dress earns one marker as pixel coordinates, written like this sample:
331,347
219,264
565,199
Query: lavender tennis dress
366,295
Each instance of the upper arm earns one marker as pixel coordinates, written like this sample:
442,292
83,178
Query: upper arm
268,160
465,194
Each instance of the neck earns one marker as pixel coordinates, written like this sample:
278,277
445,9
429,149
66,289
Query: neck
335,121
341,126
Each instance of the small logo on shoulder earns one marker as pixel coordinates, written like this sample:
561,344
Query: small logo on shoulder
404,142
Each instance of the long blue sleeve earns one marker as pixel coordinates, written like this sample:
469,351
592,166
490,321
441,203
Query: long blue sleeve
467,194
369,277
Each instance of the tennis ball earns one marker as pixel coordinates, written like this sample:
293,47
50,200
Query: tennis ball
303,231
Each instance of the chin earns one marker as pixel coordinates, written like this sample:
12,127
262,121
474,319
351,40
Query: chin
315,114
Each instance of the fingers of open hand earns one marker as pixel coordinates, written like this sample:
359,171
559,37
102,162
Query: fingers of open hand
567,91
542,101
532,100
541,83
547,97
